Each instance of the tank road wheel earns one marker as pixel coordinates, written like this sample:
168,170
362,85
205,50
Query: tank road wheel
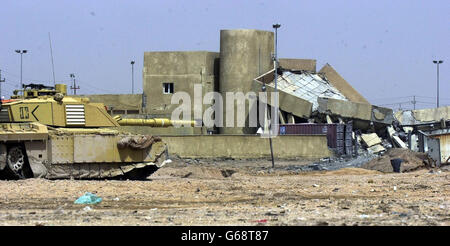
16,161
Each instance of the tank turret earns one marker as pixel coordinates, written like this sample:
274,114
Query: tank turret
51,106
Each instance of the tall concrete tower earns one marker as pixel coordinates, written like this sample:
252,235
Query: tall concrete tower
244,55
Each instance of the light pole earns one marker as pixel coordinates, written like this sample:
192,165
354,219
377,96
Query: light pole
21,52
275,62
274,122
437,97
132,77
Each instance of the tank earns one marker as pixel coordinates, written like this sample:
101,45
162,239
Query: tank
44,133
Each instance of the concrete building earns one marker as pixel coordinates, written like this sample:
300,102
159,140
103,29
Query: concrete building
165,73
245,55
243,64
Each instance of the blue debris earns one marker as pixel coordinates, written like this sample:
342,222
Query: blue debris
88,198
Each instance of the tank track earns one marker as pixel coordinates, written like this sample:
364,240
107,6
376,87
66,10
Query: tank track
132,171
136,171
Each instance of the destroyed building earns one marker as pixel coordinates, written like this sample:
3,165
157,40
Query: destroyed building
346,122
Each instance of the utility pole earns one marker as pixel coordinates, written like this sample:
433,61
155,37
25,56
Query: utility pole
21,52
437,97
1,80
274,122
414,102
132,77
74,87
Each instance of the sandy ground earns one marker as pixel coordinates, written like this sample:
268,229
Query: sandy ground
235,193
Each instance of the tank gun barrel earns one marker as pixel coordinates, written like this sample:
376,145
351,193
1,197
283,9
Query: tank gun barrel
155,122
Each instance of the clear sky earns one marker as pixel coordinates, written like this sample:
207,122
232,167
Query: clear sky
383,48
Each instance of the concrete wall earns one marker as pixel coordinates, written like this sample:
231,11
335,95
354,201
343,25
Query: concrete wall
298,64
342,85
247,146
244,55
184,69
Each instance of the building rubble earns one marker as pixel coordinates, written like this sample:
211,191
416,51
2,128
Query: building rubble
368,130
311,102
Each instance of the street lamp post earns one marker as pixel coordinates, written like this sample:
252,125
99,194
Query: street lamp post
132,77
437,97
274,122
275,62
21,52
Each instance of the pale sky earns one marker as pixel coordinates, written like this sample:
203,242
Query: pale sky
383,48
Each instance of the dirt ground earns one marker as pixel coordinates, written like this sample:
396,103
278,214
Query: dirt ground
236,193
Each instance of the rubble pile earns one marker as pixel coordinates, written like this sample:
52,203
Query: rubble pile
421,142
411,161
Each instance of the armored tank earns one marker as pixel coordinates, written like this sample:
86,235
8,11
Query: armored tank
46,133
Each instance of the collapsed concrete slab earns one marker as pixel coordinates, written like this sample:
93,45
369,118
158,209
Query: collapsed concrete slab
382,115
345,109
308,65
341,84
423,116
307,86
372,142
376,149
287,102
323,96
399,142
356,111
392,134
370,139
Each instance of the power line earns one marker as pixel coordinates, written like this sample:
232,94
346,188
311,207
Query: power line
391,98
85,83
29,79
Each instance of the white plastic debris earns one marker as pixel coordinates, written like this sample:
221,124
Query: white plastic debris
166,162
395,188
87,208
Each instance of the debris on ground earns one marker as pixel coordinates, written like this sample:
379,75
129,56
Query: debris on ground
88,198
411,161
